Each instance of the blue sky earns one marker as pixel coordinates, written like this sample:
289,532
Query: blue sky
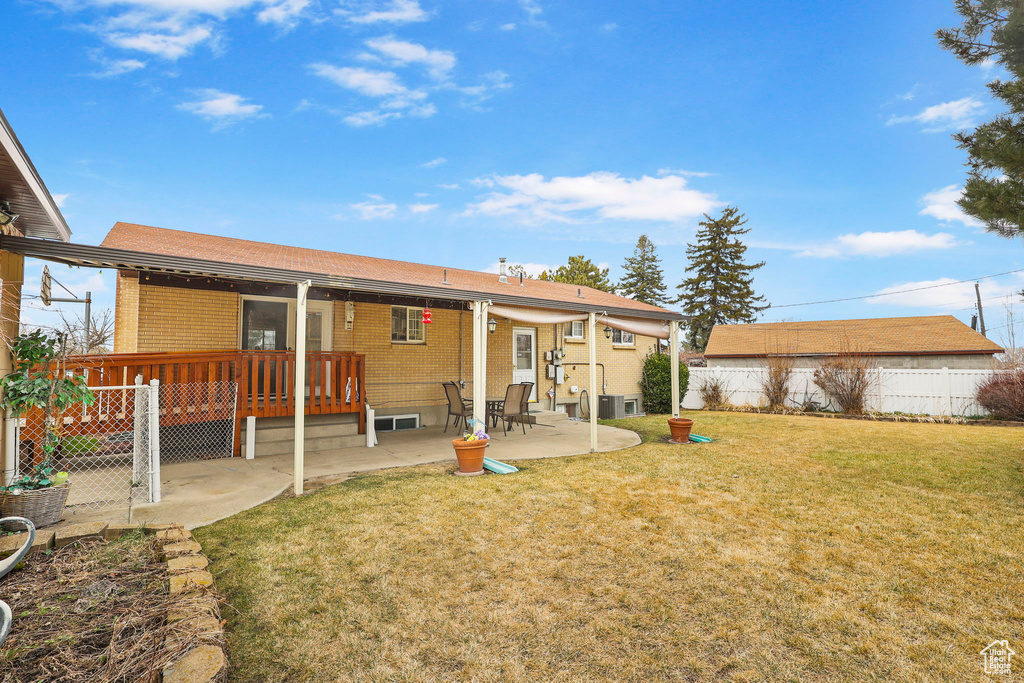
454,132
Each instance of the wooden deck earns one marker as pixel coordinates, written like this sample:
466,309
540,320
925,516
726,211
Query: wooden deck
193,385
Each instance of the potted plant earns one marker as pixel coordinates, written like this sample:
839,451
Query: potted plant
39,382
469,451
680,428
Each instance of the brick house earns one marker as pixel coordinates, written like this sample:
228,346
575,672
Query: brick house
233,298
920,342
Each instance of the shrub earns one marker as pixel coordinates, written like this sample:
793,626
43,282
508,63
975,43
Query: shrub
1003,394
846,380
656,383
714,393
775,381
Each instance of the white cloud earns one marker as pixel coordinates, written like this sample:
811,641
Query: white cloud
944,293
395,12
942,204
370,118
450,186
434,163
284,13
609,27
119,67
955,115
170,46
59,199
508,27
221,107
399,52
598,195
533,11
685,174
422,208
370,210
364,81
881,244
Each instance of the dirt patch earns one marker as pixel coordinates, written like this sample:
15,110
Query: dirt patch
93,611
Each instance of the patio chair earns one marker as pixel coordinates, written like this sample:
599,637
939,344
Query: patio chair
458,407
511,409
527,390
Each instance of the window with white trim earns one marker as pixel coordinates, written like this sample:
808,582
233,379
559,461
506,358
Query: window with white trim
622,337
407,325
574,330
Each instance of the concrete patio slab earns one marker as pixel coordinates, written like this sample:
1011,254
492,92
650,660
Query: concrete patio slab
201,492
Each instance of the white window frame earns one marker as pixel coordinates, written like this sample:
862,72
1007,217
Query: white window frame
419,315
570,330
622,338
636,406
312,306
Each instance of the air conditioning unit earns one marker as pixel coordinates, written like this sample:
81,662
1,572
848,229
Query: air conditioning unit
611,406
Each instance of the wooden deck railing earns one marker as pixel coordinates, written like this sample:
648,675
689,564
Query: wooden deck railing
335,381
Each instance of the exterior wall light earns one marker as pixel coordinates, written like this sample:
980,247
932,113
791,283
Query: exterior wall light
607,332
6,216
492,325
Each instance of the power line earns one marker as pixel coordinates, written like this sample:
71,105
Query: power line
901,291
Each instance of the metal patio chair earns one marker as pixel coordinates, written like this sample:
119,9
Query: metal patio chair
458,407
527,390
511,409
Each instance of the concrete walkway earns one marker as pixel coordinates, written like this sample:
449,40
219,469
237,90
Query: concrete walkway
201,492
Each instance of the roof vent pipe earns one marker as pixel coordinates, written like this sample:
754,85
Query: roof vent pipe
579,292
502,273
444,278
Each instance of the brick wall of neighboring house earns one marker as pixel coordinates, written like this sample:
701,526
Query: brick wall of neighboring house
399,377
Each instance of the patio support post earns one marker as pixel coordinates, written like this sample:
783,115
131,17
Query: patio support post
480,362
592,394
301,290
673,354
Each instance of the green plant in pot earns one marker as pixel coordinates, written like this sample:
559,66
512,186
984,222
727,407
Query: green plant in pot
40,382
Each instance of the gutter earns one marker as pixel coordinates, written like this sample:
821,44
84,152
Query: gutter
124,259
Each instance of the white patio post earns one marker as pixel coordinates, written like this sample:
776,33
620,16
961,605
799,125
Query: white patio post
592,394
480,362
301,290
673,354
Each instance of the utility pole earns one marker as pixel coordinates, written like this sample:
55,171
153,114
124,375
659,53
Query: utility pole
981,315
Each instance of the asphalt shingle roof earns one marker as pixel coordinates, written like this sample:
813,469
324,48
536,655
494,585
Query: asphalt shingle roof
154,240
876,336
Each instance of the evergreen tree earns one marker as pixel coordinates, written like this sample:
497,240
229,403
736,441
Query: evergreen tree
580,271
719,291
643,280
993,30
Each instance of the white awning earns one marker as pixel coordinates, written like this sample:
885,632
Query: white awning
540,316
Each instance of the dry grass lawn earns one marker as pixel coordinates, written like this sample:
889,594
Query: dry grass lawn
791,549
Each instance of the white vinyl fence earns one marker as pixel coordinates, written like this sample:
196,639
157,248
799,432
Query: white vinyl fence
922,392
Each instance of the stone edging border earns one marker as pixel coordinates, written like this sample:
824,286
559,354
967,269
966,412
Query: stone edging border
187,575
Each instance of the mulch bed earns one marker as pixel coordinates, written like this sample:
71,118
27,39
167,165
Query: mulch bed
93,611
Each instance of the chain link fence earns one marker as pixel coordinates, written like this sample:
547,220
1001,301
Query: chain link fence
197,421
106,447
113,448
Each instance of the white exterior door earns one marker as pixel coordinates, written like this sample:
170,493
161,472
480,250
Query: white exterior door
524,360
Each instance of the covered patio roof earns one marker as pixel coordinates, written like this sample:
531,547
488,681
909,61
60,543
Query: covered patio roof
124,259
20,184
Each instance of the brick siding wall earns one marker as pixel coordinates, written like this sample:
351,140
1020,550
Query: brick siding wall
157,318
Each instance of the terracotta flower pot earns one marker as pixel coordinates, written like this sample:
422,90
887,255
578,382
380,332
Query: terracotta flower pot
680,428
470,455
